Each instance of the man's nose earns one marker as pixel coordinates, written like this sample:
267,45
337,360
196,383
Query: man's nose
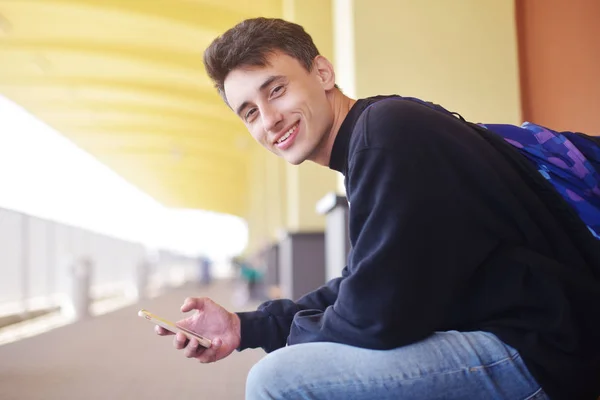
271,119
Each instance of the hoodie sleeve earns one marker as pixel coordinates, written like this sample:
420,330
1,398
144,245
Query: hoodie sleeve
269,326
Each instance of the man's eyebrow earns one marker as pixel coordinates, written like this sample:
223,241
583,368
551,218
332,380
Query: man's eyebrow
262,87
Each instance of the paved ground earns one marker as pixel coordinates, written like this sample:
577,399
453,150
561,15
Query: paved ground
118,356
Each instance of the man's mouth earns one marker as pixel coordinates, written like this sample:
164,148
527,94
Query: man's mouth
287,139
287,134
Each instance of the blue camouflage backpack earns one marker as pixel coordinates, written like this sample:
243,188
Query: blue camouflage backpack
570,161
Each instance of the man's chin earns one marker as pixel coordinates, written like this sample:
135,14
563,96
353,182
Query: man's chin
294,160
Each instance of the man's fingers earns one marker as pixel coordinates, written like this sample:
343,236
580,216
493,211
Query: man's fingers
192,303
210,355
162,331
193,348
180,341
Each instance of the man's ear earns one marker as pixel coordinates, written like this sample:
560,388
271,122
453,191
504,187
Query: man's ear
324,71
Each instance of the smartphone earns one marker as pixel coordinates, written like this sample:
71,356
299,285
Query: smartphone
170,326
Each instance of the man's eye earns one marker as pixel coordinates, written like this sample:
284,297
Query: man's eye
277,90
250,113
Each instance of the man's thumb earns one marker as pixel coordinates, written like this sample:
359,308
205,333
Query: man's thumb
192,303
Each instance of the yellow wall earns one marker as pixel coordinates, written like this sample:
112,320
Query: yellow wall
316,16
461,54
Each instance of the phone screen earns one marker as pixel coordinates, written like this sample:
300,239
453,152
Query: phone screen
170,326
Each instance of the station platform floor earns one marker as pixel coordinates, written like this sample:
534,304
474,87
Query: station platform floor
118,356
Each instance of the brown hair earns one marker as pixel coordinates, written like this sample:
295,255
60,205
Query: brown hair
250,42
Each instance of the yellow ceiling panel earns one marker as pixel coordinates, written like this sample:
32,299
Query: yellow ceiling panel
170,154
177,191
124,80
66,63
138,93
112,88
170,22
177,183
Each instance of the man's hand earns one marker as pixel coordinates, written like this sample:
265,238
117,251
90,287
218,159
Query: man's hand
211,321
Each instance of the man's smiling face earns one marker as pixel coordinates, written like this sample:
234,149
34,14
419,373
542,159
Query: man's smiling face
283,105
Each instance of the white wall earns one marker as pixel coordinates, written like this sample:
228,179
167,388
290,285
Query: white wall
36,256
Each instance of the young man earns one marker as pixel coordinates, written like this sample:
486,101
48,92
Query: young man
471,277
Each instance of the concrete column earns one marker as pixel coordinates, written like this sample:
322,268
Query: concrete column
301,263
337,240
142,278
79,301
272,265
25,262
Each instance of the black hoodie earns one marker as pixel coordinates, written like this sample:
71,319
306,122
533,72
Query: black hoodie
451,229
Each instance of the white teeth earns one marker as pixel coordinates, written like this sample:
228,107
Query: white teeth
287,135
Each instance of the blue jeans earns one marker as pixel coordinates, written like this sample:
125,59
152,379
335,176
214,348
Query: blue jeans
447,365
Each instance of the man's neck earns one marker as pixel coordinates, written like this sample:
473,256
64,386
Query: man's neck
340,105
